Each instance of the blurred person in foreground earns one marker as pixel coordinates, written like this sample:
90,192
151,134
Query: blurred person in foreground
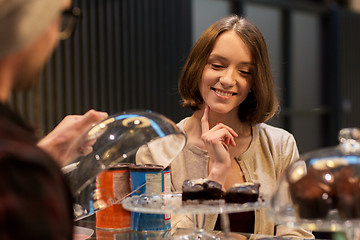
35,200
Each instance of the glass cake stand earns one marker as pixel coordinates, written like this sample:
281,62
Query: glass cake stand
321,190
172,204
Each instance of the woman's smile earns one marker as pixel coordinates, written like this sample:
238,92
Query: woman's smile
223,93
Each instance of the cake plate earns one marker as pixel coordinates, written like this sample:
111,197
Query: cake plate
172,204
332,223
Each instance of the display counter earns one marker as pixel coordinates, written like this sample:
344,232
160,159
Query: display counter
88,225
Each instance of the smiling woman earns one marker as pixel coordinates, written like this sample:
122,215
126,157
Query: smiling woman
228,83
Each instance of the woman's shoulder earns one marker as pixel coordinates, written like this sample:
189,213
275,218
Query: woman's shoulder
278,143
181,124
271,132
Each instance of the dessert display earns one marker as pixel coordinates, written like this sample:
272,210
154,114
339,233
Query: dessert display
199,197
201,190
313,194
173,204
320,191
242,193
347,193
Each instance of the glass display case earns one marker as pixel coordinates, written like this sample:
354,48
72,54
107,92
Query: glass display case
173,204
321,190
138,137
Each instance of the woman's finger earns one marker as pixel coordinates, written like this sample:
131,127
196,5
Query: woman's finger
223,126
205,120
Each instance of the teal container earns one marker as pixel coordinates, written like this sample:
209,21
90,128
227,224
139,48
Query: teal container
150,179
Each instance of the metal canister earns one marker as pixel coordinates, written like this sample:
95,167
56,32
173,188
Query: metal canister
150,179
115,182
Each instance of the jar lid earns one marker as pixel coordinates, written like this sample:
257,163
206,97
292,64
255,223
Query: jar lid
147,168
121,166
126,137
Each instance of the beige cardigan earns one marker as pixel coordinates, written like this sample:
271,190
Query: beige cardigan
271,150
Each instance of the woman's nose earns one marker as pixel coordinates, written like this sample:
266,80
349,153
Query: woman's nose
228,78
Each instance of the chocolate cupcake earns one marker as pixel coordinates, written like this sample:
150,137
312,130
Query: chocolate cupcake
242,193
201,190
345,187
313,194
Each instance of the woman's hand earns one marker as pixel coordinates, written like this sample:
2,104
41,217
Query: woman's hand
217,141
66,142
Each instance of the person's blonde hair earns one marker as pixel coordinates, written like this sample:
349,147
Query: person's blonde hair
261,103
21,21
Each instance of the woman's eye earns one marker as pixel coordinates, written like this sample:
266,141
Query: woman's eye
246,72
216,66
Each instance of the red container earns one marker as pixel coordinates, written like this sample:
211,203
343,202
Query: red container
115,181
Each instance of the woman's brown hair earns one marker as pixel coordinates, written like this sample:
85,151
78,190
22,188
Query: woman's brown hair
261,103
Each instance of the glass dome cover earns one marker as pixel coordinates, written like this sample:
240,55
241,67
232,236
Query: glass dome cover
321,190
134,137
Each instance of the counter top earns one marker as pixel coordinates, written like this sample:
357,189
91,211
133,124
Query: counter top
83,227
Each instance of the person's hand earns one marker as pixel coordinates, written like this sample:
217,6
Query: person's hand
65,143
217,141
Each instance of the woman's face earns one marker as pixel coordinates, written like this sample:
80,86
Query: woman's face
227,77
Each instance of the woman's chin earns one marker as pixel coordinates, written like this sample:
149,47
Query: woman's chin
221,109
